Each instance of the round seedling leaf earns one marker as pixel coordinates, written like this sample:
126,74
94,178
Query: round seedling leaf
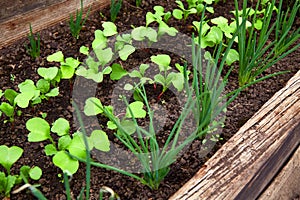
35,173
92,107
7,109
100,140
126,51
178,14
161,60
84,50
39,129
136,109
65,162
48,73
77,146
109,29
61,126
56,57
9,155
117,72
232,56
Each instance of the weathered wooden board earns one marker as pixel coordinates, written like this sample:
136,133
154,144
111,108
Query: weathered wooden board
247,163
18,26
286,185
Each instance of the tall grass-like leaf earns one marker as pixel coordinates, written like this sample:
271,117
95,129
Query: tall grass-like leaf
115,7
256,52
75,27
34,46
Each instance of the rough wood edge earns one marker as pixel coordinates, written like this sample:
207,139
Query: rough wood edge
237,164
18,27
286,183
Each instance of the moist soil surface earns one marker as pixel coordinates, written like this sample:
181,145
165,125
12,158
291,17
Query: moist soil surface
16,66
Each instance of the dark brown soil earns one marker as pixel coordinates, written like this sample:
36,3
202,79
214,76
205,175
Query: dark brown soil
16,66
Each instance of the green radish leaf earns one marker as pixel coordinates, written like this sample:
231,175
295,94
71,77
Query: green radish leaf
110,29
111,125
210,9
27,85
9,155
56,57
61,126
39,129
258,24
219,21
62,160
128,126
91,107
150,17
64,142
126,51
232,56
117,72
100,140
77,147
6,184
103,55
50,150
72,62
107,70
160,79
10,95
178,81
43,85
143,68
100,41
22,100
35,173
48,73
162,60
67,71
84,50
53,92
128,87
136,109
178,14
7,109
135,74
215,35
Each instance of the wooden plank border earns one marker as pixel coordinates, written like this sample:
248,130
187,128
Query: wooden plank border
246,164
18,26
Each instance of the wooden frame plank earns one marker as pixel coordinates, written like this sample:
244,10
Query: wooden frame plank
242,168
286,185
18,26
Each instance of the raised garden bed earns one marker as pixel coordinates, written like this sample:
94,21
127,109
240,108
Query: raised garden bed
17,66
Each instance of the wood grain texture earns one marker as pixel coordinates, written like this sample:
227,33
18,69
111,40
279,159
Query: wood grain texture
18,27
286,185
246,164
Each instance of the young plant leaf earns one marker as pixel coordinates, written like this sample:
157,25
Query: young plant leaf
110,29
117,72
62,160
162,60
7,109
91,107
10,95
9,155
56,57
39,129
126,51
48,73
61,126
50,150
136,109
35,173
100,140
